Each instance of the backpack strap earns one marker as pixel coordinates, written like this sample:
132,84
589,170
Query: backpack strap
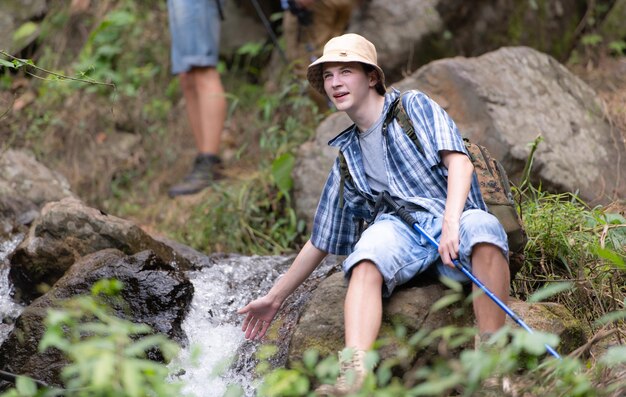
344,173
398,112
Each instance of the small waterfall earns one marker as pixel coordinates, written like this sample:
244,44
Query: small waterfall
223,358
213,327
9,310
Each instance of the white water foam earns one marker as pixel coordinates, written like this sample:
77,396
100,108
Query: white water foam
9,310
213,327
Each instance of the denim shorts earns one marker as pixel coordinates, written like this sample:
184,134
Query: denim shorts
195,33
400,253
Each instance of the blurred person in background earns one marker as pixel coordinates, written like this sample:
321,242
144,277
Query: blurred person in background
195,35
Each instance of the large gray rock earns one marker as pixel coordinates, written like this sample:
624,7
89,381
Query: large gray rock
411,33
550,317
242,24
321,325
25,186
23,176
155,293
68,230
399,30
314,161
506,98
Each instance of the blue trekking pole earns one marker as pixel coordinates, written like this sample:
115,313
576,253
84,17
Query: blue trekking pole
408,219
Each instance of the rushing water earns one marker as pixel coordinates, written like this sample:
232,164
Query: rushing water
9,310
223,359
213,326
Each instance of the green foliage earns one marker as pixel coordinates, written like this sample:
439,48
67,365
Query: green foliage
559,231
600,32
107,354
617,47
575,254
253,216
257,211
249,59
469,372
49,76
549,290
591,40
24,33
14,63
105,56
281,172
570,241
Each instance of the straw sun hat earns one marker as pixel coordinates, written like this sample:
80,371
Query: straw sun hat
349,47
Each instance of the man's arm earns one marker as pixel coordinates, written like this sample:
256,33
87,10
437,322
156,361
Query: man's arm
262,311
460,170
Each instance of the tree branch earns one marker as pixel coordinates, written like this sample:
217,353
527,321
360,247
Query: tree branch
24,62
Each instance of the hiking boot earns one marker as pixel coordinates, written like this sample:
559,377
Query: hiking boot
494,385
204,172
481,341
352,372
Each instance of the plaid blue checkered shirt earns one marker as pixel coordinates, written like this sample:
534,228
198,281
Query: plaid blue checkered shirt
413,177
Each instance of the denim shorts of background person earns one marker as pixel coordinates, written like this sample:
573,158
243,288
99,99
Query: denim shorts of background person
415,179
195,33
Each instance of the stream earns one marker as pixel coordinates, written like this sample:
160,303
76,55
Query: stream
213,326
216,359
224,360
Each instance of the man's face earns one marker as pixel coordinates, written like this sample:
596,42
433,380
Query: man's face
346,84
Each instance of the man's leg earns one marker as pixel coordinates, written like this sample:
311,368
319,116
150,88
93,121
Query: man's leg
206,111
363,312
206,107
491,268
363,308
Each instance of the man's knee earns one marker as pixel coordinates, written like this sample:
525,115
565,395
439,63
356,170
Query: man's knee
488,256
199,77
187,81
366,271
488,251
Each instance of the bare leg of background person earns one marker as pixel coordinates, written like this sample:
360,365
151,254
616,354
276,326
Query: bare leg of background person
206,110
206,107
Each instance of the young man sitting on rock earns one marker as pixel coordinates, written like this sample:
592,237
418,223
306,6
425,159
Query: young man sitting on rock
437,184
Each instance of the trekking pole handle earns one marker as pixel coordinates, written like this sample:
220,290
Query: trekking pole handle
385,199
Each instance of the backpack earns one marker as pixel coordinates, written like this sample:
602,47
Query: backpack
492,179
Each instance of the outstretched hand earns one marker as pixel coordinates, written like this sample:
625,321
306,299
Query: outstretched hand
260,314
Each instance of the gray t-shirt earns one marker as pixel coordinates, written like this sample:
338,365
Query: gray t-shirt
371,142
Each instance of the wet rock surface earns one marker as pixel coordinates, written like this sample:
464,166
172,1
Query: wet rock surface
68,230
155,293
321,324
